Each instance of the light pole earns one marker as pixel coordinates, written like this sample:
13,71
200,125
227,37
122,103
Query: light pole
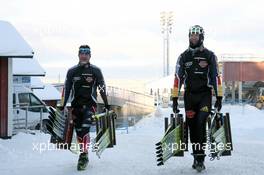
166,19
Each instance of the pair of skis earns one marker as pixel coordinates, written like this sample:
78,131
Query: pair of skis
220,136
105,132
60,126
173,142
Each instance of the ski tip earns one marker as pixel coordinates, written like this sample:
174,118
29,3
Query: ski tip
51,109
159,155
159,147
158,144
52,114
159,151
50,123
160,160
50,117
50,131
160,163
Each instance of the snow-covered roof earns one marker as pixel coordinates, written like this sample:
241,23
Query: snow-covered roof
162,83
27,67
48,93
36,83
228,57
12,44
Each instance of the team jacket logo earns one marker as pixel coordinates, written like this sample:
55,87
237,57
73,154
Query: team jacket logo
203,64
76,78
188,64
204,109
89,79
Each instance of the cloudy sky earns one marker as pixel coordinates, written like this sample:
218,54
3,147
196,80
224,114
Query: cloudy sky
125,36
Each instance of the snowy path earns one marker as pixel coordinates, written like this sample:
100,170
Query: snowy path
134,153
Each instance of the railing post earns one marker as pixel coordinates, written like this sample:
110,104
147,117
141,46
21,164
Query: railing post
26,127
40,122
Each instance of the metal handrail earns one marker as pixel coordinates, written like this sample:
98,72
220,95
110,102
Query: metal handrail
19,105
131,96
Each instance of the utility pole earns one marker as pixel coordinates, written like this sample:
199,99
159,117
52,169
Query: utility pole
166,19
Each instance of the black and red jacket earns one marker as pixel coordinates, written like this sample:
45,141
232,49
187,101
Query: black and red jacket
82,82
197,70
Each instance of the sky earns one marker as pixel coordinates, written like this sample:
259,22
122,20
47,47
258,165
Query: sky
125,36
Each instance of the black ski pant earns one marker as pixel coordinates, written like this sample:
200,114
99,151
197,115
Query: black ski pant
82,123
197,109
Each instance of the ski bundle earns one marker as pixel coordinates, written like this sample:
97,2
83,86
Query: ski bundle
105,132
60,126
220,138
174,141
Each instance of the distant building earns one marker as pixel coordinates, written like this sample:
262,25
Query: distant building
49,94
27,73
240,72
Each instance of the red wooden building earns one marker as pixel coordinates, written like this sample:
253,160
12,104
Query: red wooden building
237,72
12,45
243,71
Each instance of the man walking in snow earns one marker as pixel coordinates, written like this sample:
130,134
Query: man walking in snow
197,69
82,82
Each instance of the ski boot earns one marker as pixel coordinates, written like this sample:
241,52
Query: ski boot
82,162
195,162
198,162
199,166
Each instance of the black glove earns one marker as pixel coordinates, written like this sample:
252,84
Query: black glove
175,105
218,103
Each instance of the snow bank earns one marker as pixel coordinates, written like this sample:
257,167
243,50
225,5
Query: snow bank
135,152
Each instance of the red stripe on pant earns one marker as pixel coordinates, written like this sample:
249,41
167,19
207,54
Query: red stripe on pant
190,114
84,143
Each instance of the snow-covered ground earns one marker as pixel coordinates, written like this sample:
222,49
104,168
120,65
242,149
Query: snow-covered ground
135,152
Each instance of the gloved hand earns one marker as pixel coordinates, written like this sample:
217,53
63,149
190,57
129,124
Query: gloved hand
218,103
175,105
